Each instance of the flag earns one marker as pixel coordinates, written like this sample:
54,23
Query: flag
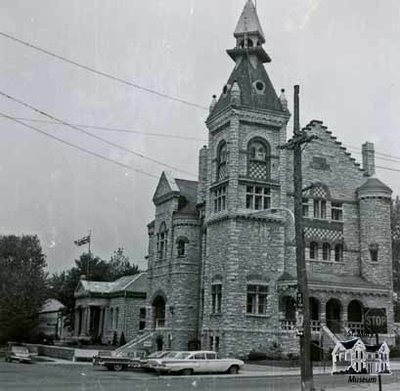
82,241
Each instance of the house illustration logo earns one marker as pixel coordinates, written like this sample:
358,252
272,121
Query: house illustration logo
354,357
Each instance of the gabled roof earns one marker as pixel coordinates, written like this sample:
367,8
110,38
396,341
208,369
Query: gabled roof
188,189
248,22
166,185
350,343
103,287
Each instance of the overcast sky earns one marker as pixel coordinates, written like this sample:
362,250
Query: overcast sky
344,54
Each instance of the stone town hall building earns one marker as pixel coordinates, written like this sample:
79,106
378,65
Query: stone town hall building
221,257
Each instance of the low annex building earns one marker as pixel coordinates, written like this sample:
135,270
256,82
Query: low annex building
221,255
105,310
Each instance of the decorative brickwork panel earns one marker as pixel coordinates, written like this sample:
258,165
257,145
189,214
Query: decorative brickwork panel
323,234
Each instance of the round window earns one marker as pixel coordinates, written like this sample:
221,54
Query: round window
260,85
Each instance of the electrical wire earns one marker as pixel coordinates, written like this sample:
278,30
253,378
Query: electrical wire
111,129
121,147
101,73
77,146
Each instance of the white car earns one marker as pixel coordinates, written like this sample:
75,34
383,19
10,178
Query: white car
187,363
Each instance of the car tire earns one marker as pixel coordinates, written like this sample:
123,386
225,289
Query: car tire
233,370
187,372
119,367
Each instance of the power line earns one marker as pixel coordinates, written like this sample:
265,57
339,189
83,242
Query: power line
92,135
77,146
393,159
111,129
101,73
376,153
388,168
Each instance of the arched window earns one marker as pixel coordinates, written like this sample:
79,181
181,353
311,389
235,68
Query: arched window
326,252
313,250
181,249
339,253
162,242
258,159
222,161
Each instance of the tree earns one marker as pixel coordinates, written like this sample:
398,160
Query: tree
120,266
62,286
22,286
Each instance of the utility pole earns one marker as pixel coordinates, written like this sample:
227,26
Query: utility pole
300,137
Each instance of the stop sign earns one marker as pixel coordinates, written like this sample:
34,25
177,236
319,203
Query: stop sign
375,320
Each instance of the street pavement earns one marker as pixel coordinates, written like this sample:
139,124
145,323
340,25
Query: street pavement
60,375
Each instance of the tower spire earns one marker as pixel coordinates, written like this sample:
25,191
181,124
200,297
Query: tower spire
249,35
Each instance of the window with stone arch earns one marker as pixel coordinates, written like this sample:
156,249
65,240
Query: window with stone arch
162,241
181,246
259,159
222,160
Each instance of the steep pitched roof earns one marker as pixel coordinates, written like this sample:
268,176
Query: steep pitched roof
188,189
246,76
248,22
166,185
350,343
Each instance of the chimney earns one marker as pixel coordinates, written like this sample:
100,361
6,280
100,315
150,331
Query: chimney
368,158
203,161
213,102
283,99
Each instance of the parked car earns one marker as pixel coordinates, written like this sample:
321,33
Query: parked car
148,361
17,353
187,363
118,361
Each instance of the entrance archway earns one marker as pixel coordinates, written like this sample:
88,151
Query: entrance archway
159,312
314,308
333,315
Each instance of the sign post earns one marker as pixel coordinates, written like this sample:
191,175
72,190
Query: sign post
375,322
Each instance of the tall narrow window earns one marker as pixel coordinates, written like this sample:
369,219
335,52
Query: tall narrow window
111,318
373,252
181,245
142,318
258,197
216,297
162,242
313,250
337,211
338,253
319,209
220,199
116,317
258,159
222,161
256,302
305,207
326,252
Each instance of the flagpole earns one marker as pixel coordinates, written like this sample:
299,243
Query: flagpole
90,254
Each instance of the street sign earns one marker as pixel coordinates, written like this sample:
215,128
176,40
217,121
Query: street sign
375,320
